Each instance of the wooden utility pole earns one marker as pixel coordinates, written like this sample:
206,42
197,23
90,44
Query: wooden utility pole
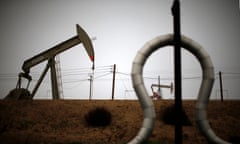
159,88
177,71
221,86
113,82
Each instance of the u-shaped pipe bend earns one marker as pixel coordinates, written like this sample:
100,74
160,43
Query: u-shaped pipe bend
203,95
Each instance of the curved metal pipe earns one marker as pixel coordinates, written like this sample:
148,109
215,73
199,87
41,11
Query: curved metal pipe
203,95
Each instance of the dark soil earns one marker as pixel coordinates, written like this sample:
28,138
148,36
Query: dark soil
70,121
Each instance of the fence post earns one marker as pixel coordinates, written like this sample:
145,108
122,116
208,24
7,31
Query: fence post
221,86
113,82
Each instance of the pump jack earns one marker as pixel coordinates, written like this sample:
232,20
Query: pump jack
49,55
156,95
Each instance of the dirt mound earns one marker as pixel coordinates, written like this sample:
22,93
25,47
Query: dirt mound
65,121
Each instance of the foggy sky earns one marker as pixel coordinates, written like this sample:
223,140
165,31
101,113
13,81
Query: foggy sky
29,27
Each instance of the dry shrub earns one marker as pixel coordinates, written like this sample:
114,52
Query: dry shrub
98,117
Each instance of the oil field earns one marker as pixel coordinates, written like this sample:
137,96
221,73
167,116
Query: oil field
189,116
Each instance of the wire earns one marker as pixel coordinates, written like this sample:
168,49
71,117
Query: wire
103,75
124,84
231,73
75,81
103,71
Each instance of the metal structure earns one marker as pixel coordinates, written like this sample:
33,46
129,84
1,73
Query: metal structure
59,76
91,85
157,96
203,95
49,55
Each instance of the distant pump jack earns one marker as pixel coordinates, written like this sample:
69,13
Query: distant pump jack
157,95
49,55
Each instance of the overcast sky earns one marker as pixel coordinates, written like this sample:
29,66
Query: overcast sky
121,28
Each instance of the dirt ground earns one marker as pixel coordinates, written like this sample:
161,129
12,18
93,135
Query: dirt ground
63,121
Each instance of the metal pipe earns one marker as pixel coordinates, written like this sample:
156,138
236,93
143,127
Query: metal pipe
55,91
203,95
205,89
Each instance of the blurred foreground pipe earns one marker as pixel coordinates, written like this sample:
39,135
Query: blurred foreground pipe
203,95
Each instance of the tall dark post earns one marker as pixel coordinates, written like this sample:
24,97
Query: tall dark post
159,88
91,87
113,83
177,71
221,86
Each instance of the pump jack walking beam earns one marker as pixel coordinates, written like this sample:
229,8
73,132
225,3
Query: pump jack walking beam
81,37
163,86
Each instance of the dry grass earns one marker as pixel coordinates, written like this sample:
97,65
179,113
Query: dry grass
63,121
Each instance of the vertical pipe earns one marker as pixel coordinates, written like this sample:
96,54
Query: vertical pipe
113,82
221,86
177,72
55,92
91,87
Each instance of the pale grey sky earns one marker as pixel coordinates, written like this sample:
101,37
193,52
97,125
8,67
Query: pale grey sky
121,27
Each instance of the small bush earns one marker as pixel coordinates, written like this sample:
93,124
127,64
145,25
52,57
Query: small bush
98,117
